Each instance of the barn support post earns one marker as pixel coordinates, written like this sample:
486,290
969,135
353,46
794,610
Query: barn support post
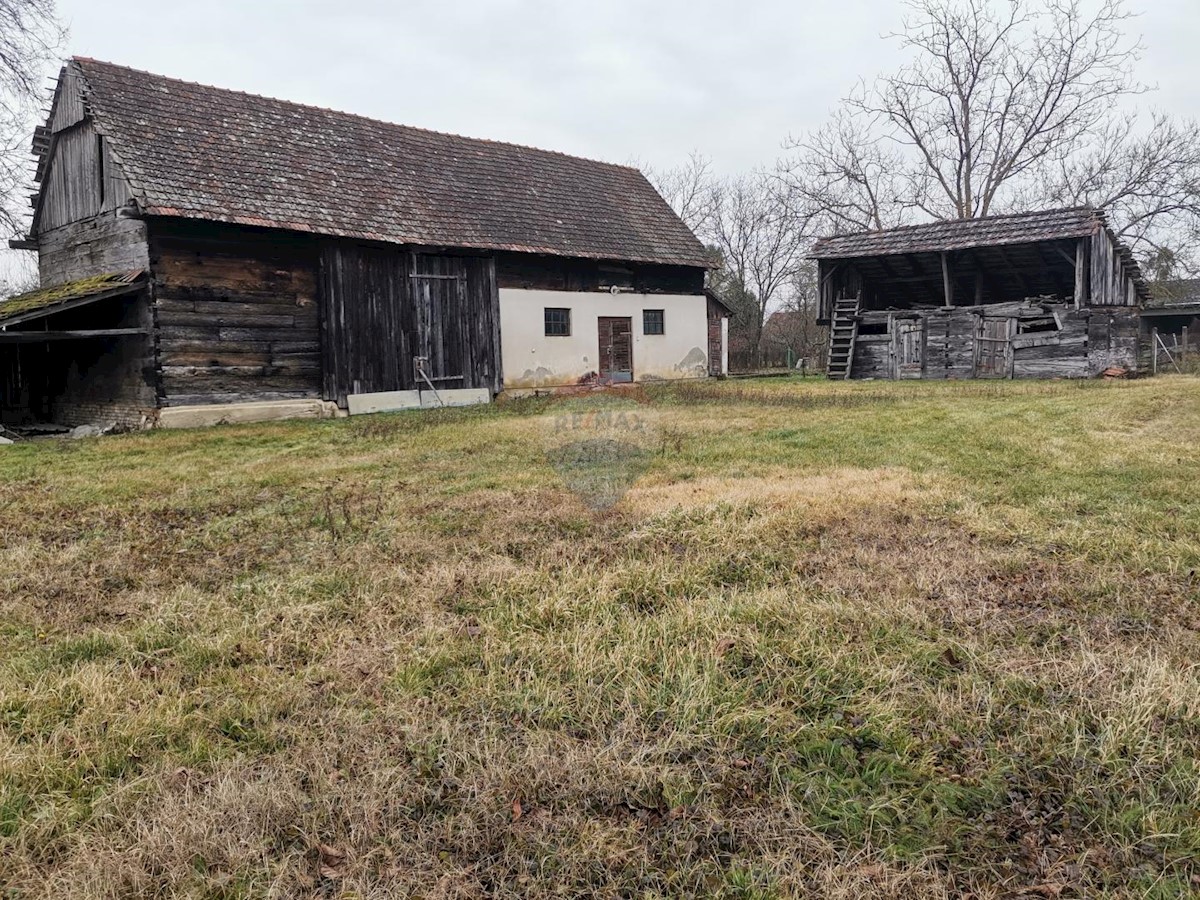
1183,347
1154,351
1080,272
947,281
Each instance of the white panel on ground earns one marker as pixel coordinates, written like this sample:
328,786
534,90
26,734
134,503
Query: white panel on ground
387,401
460,397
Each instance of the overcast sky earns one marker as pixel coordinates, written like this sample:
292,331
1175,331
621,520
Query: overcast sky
624,80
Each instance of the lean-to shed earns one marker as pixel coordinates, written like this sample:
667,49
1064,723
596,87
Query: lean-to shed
1041,294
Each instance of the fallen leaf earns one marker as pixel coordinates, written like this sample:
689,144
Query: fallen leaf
952,659
516,810
724,645
332,860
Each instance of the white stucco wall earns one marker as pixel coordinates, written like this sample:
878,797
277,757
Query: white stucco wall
531,359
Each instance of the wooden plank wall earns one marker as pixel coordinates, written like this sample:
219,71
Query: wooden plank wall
68,108
1069,352
237,314
1111,284
552,273
82,181
369,330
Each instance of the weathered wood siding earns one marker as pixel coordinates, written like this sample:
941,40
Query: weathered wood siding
1109,279
68,107
1082,343
82,180
383,307
552,273
82,187
237,314
94,246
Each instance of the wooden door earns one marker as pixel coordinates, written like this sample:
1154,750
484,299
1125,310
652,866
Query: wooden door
908,348
440,302
616,349
384,308
993,347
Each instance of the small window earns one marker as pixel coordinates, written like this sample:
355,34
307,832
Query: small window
653,321
558,322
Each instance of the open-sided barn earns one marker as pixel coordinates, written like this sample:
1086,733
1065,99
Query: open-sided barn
201,247
1043,294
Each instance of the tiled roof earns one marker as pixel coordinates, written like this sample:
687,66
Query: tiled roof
208,153
961,234
1179,292
46,301
990,231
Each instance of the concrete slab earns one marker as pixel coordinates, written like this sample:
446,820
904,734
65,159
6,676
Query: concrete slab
386,401
241,413
459,397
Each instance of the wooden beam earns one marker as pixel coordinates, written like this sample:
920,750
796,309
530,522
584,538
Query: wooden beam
37,337
832,269
1080,273
1069,257
947,280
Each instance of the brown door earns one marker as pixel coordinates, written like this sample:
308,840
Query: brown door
993,347
616,349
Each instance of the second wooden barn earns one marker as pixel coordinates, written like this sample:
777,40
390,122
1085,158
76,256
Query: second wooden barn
1042,294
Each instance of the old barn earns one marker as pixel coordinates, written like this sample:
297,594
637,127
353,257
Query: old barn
207,254
1035,295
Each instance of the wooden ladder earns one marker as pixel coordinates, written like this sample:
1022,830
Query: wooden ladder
843,332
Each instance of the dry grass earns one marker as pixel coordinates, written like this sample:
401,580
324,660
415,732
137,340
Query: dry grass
905,641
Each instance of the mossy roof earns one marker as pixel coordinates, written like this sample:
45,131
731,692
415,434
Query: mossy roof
48,299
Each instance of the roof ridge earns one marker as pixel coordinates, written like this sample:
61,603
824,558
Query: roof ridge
87,60
1087,207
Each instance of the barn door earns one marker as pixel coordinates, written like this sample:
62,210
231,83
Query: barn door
908,347
993,347
616,349
439,299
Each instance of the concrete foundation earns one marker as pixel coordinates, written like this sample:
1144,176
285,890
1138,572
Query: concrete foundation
242,413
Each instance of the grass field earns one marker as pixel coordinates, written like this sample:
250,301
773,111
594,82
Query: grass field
835,640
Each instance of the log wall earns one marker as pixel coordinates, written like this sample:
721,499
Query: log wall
95,246
236,312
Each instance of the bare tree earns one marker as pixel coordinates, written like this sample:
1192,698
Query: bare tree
29,40
688,188
1147,178
760,232
996,90
995,94
852,176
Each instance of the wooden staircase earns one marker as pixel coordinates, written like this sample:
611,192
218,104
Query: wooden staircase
843,331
